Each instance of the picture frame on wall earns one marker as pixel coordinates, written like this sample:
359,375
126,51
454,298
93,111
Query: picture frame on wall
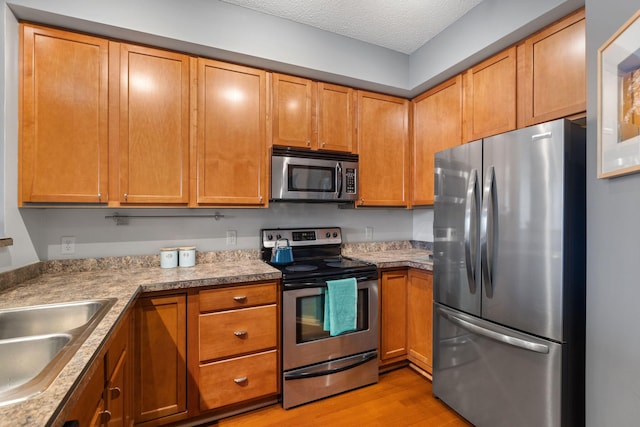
619,102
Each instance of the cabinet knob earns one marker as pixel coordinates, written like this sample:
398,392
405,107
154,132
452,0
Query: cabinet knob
240,334
324,144
308,143
115,392
99,196
240,298
240,380
105,417
126,196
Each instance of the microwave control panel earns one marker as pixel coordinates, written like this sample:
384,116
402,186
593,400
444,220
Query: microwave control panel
350,187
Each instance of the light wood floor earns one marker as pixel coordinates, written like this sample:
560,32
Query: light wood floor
400,398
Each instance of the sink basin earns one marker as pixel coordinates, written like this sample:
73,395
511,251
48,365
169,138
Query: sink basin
47,319
37,342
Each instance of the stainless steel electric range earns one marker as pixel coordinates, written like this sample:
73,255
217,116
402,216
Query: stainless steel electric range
316,364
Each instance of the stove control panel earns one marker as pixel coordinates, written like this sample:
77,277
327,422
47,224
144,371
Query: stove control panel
302,236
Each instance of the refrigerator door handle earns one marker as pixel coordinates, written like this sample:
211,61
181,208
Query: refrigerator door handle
473,201
496,336
487,243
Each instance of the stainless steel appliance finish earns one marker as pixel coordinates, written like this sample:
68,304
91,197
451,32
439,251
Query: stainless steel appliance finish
509,277
315,363
313,176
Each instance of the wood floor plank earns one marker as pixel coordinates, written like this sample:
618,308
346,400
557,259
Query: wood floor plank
401,398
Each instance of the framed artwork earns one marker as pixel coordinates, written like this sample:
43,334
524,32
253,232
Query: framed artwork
619,102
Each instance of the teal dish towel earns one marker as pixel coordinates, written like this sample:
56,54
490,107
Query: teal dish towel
340,306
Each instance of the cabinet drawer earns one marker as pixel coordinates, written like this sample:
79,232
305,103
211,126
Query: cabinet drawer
235,332
237,297
236,380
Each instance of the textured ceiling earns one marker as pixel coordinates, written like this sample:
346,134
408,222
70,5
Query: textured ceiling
401,25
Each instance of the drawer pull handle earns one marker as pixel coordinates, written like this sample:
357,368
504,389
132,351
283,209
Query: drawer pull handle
240,334
240,298
115,392
240,380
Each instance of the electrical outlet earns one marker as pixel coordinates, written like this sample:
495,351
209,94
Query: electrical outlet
232,236
67,245
368,233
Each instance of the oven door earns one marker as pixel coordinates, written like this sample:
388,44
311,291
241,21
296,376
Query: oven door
305,341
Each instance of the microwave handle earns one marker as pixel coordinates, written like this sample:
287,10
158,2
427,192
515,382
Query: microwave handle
339,180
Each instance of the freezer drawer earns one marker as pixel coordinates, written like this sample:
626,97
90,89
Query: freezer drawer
494,376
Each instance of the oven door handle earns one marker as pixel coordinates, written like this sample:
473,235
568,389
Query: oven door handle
323,284
343,365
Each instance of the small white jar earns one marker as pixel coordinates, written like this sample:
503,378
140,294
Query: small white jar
187,256
168,257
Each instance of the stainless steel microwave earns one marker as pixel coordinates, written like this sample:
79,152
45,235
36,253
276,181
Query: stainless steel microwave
313,176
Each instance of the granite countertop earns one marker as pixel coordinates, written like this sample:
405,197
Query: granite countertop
125,285
416,258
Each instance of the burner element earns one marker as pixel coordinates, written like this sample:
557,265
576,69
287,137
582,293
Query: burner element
301,267
338,264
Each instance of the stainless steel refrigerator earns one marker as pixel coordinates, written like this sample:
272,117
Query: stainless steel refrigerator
509,277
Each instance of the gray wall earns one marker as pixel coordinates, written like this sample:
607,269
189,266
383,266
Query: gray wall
613,235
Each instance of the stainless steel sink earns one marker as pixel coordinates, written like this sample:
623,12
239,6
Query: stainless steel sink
37,342
47,319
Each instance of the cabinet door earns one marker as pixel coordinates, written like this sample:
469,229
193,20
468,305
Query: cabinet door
437,125
89,409
490,96
336,118
383,149
118,374
420,318
160,368
552,78
232,146
153,143
393,327
64,117
293,112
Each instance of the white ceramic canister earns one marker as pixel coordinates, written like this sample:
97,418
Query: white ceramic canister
168,257
187,256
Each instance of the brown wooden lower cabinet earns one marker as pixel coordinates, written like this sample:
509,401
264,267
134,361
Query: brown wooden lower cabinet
203,353
419,319
160,362
406,300
106,399
393,318
238,345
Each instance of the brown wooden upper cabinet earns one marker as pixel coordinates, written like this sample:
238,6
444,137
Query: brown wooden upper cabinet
231,148
314,115
336,118
552,72
293,112
437,125
383,145
64,117
490,96
151,140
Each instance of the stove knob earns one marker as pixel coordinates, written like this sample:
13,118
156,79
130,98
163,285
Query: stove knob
327,235
335,234
278,236
269,236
